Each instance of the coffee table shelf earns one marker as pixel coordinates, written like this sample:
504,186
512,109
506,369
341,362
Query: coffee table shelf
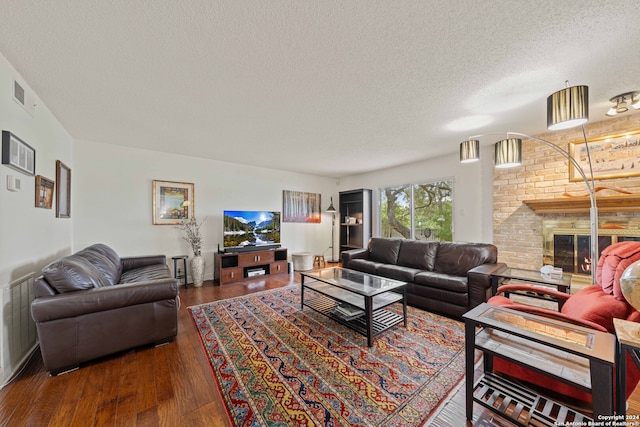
336,286
382,319
342,295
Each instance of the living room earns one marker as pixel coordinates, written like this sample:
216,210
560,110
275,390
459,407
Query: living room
111,180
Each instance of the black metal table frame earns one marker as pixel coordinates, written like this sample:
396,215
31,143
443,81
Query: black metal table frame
622,349
368,308
601,372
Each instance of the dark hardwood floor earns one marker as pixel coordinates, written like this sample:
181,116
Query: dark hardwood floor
169,385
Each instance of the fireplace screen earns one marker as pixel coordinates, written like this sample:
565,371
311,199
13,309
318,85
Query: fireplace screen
567,243
571,252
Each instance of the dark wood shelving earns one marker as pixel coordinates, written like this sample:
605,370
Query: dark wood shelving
355,204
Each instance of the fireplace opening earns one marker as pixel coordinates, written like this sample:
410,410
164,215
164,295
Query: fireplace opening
567,244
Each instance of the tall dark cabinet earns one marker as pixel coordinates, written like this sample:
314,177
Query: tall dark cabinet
355,219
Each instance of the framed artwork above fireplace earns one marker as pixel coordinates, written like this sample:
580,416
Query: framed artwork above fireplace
612,156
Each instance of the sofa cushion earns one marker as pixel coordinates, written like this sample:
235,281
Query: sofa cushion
73,273
364,265
384,251
102,263
149,272
457,258
397,272
418,254
442,281
109,253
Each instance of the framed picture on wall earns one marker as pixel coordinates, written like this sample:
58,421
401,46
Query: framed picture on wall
172,202
44,192
17,154
298,206
613,156
63,190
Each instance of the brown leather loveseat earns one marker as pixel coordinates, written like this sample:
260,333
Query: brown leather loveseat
94,303
444,277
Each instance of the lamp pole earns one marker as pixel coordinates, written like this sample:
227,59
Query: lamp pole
332,210
333,232
566,108
593,211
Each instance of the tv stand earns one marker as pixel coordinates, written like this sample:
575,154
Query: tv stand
234,266
250,248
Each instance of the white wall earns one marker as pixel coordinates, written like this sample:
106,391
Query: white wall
30,236
112,200
473,191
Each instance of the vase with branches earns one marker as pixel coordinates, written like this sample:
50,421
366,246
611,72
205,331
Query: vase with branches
191,229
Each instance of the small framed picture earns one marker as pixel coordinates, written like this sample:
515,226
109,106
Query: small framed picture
18,154
63,190
172,202
44,192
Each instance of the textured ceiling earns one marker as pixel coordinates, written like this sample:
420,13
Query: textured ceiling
331,88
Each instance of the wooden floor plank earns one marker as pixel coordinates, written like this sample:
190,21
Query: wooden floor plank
146,398
168,385
127,412
88,401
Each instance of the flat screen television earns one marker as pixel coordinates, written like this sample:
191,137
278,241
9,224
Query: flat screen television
244,229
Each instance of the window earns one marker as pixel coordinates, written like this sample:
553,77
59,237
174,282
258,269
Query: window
417,211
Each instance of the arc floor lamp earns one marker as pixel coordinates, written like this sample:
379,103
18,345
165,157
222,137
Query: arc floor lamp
332,210
566,108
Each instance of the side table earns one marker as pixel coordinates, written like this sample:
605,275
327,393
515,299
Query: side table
628,340
302,261
569,353
176,272
562,283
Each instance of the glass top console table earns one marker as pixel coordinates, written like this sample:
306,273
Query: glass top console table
354,299
561,282
569,353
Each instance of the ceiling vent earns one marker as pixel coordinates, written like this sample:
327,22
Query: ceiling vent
24,98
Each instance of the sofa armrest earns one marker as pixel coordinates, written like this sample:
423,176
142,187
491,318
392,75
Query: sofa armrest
129,263
482,273
479,282
77,303
347,256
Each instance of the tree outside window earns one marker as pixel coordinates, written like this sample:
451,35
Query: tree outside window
417,211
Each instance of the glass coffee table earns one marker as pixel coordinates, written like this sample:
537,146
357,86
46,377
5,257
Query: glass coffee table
355,299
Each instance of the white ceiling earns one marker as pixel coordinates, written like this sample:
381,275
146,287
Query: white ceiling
331,88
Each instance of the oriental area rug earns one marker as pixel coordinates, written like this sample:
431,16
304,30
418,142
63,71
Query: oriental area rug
277,365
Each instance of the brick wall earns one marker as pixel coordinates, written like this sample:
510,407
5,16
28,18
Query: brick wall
544,173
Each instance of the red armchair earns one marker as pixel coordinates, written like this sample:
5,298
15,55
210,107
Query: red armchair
594,306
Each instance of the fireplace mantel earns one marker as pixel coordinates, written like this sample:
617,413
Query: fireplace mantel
581,204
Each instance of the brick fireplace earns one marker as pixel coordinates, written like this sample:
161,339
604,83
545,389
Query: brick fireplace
523,235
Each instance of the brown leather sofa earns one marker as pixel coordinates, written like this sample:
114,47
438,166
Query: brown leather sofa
444,277
94,303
